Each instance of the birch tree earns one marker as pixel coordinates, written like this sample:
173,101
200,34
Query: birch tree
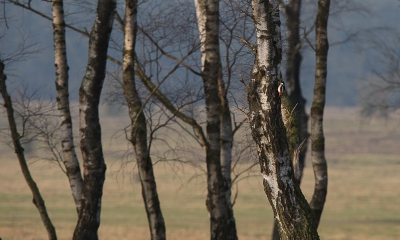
70,159
138,135
37,198
317,111
291,210
90,130
222,222
294,97
225,122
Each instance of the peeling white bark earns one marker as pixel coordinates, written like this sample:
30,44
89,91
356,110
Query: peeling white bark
263,37
201,23
268,45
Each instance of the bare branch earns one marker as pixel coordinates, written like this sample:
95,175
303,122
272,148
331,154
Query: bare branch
180,61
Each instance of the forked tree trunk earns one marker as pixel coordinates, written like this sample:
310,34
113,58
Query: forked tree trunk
19,150
317,112
138,136
71,162
291,210
222,222
90,130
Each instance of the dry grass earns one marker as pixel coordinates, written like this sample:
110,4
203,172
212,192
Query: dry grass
362,203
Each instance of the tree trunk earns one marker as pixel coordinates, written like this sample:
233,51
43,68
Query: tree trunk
226,137
19,150
293,64
222,222
291,210
138,127
292,134
226,142
60,54
90,130
317,112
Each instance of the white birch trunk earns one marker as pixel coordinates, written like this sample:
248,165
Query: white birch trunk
60,55
222,222
291,210
138,135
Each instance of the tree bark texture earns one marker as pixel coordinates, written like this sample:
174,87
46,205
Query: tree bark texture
294,58
90,130
292,134
291,210
317,112
71,162
222,221
138,136
293,63
19,150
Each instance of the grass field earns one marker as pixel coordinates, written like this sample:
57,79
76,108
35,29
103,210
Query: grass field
363,196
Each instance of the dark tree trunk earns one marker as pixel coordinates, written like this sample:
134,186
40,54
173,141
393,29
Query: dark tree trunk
293,65
317,112
90,130
19,150
139,129
226,137
222,222
291,210
67,142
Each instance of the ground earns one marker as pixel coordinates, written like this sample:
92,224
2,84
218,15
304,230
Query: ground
363,163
